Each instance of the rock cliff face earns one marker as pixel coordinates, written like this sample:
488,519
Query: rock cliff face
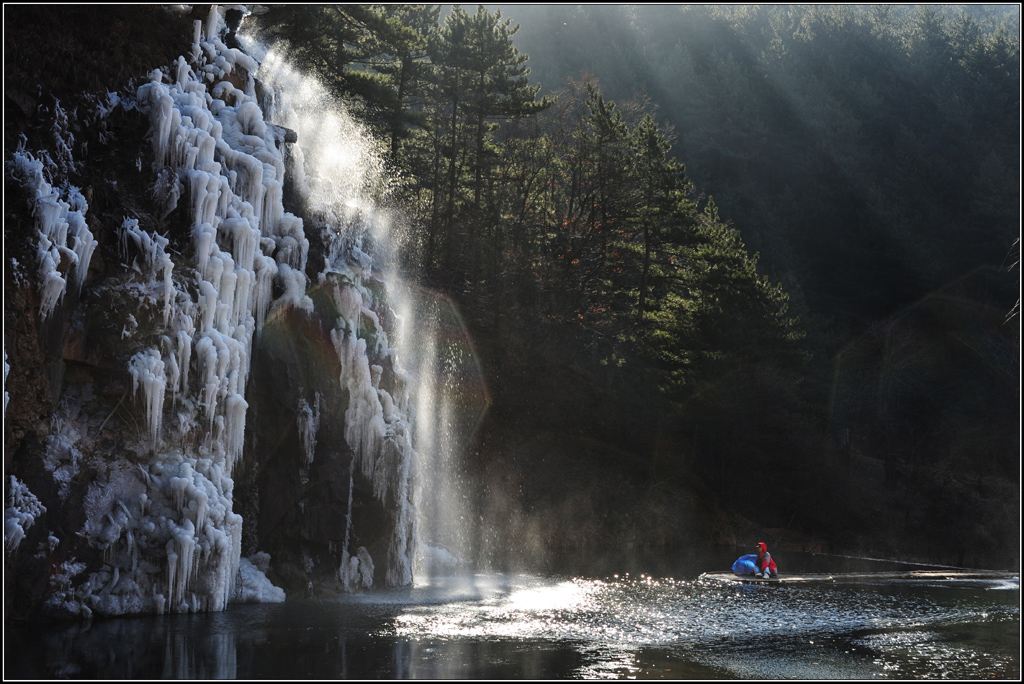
187,423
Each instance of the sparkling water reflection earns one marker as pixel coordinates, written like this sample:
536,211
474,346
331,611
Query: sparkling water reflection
528,626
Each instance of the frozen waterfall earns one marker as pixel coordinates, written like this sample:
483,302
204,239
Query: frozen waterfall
161,511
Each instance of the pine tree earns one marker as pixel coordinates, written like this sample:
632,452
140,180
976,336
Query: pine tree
480,79
334,41
664,209
405,66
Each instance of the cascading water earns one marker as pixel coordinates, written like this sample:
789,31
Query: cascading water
450,401
420,427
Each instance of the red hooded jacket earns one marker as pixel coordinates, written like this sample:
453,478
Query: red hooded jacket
764,559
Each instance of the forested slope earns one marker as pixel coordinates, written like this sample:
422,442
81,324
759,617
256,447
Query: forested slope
871,156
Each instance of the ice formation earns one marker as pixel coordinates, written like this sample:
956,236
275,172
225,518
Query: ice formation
65,243
158,264
62,460
253,585
335,169
162,515
22,510
176,507
147,369
377,427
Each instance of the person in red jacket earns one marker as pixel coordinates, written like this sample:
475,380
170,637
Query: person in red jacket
765,564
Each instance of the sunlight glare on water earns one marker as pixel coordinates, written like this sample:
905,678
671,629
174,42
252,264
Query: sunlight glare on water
817,632
563,596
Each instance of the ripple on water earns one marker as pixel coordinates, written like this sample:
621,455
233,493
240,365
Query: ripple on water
807,629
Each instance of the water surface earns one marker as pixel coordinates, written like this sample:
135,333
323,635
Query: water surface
559,626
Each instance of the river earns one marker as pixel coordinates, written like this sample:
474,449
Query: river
562,625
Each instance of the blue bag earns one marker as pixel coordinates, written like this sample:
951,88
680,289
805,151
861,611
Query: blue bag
745,565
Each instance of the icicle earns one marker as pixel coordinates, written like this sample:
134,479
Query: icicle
266,270
166,265
85,245
50,213
182,72
226,297
147,369
202,507
51,286
292,242
273,211
235,408
364,419
213,24
22,510
245,240
207,353
308,421
205,188
197,31
55,218
243,295
172,367
158,263
184,350
163,115
204,237
207,305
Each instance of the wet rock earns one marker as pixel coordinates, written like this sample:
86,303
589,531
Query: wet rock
233,19
303,513
283,135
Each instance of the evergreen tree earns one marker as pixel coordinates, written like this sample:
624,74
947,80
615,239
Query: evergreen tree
481,79
499,85
336,42
662,188
405,65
